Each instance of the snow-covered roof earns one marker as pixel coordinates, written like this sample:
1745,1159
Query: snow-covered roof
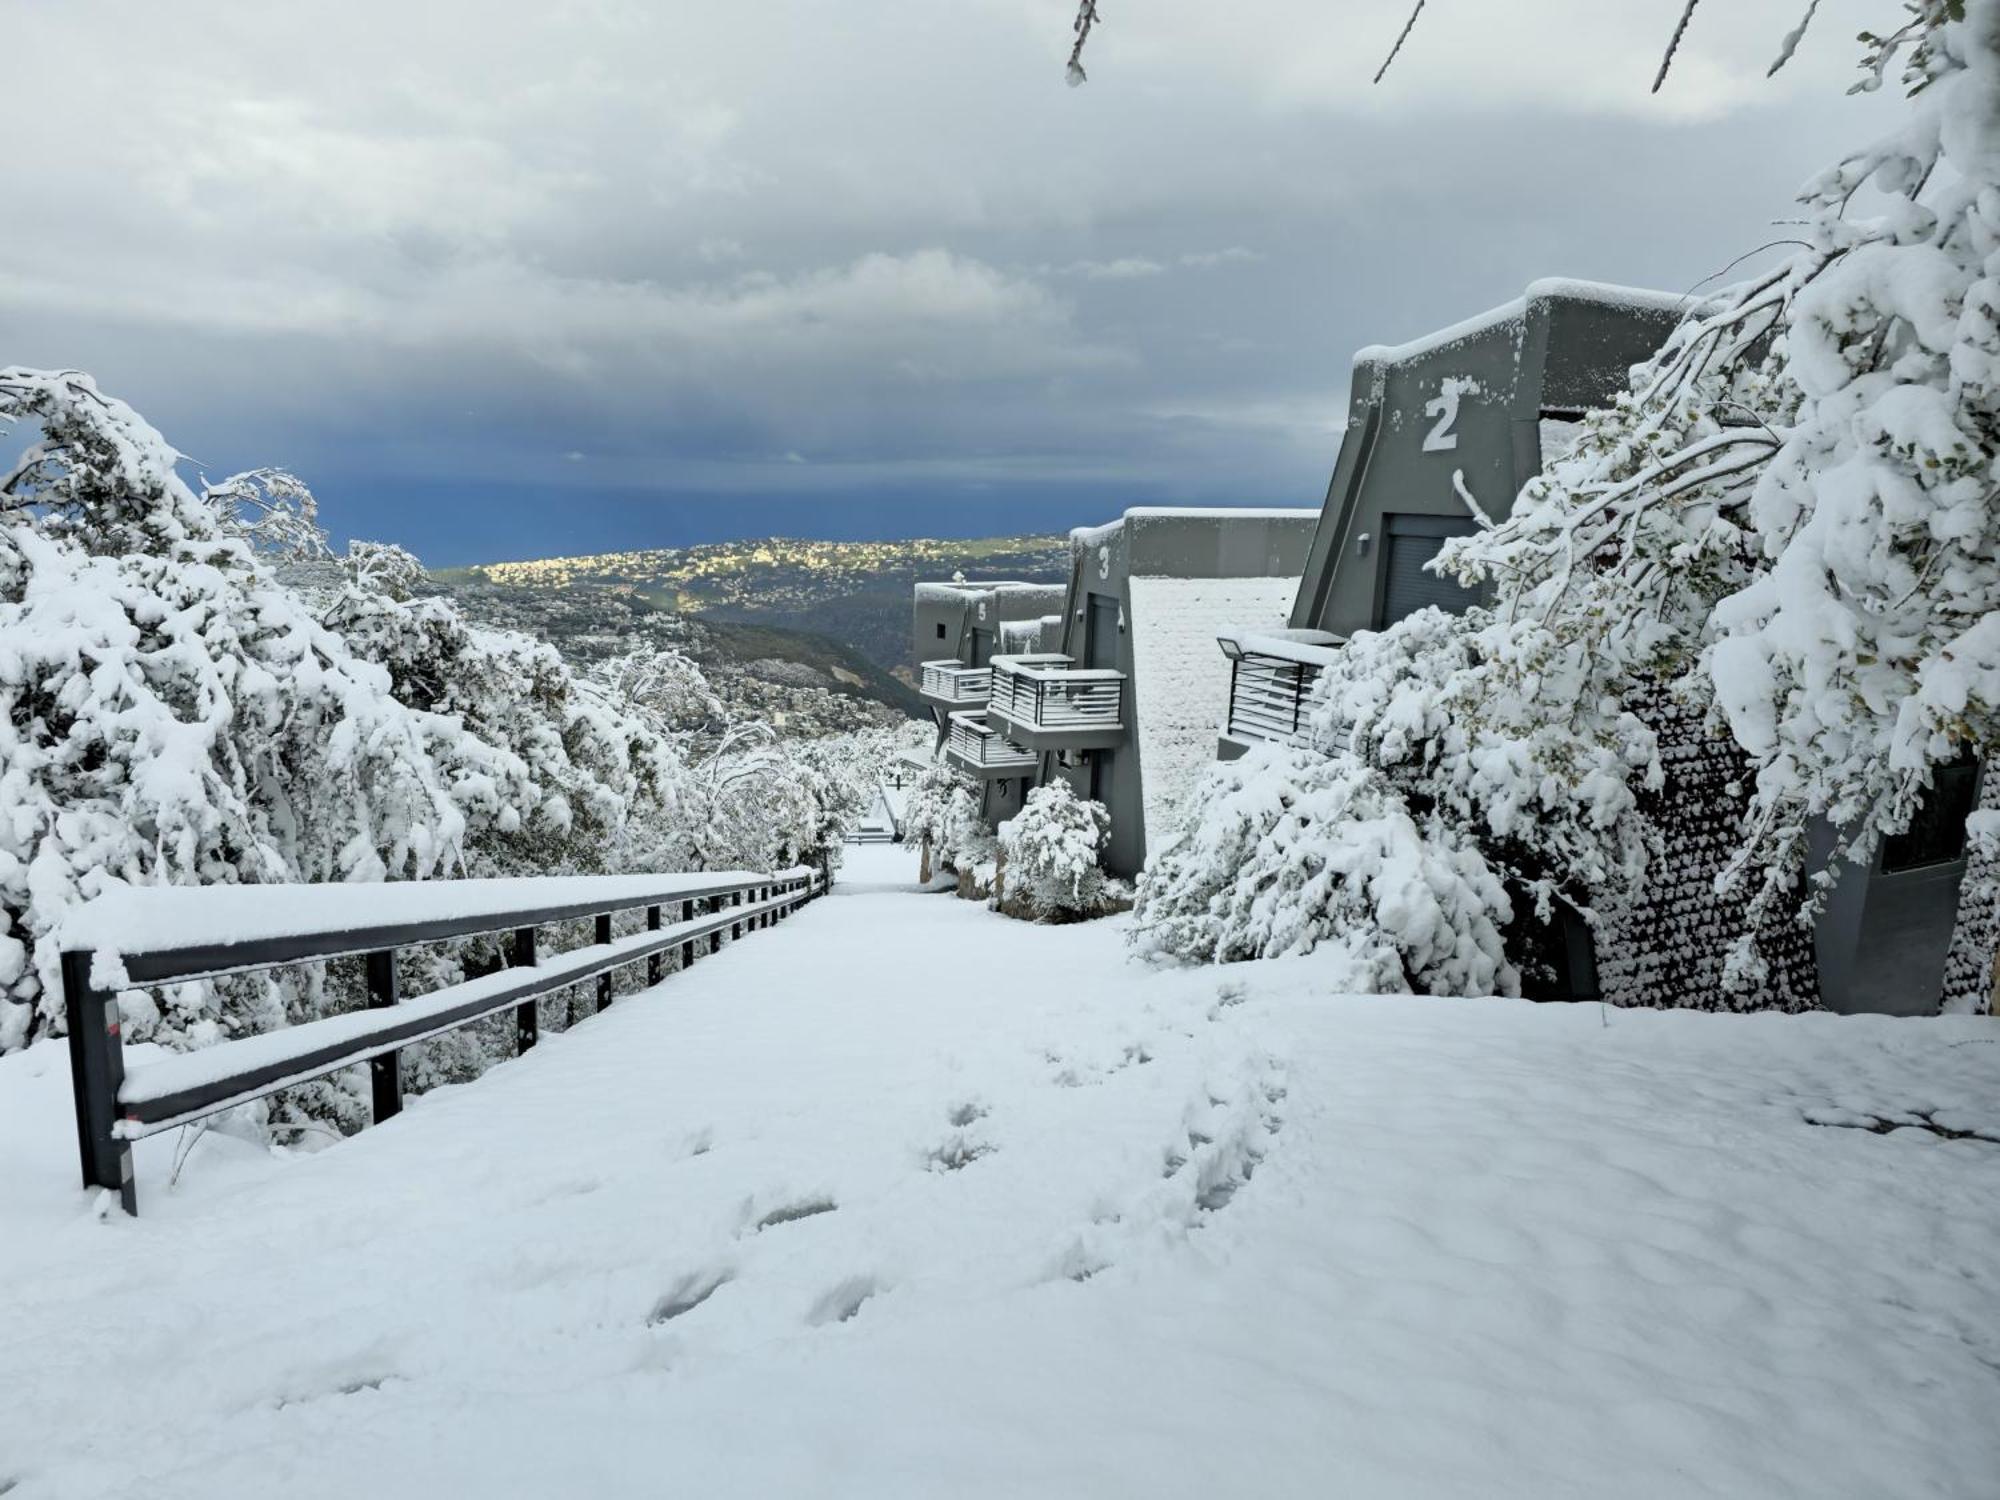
1319,647
1547,289
1091,536
1222,513
970,590
1180,685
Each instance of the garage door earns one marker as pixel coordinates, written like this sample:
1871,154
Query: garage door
1410,586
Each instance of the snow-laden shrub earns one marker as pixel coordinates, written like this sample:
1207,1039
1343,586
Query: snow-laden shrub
1503,730
1050,851
1287,851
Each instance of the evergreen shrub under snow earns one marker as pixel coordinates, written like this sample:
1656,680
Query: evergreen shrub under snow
1295,851
1049,852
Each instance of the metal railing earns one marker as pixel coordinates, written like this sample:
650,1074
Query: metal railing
1267,697
955,682
1271,679
1046,691
982,748
115,1107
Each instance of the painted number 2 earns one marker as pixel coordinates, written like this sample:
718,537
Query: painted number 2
1443,406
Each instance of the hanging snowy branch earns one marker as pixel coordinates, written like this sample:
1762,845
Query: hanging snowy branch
1674,43
1086,17
1792,38
1401,37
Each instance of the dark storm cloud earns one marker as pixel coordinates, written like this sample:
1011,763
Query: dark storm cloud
454,262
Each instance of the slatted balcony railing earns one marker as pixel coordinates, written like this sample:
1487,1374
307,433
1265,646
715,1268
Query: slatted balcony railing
955,682
980,748
1047,695
1271,679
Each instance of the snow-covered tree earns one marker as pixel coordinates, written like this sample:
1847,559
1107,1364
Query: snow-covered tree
550,773
1050,848
942,816
196,692
1789,522
168,711
1792,517
665,687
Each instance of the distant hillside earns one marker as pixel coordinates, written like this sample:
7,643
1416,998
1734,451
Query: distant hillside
855,593
798,681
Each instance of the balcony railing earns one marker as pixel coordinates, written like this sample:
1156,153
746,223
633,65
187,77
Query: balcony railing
978,747
1271,679
1044,694
955,682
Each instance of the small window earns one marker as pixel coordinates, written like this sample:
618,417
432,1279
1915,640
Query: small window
1936,835
940,629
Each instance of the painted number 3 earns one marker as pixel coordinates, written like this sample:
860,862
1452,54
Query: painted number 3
1443,406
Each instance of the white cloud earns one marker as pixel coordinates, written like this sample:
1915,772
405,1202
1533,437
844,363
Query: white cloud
679,238
1125,268
1231,255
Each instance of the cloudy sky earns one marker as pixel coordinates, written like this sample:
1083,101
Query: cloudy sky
506,280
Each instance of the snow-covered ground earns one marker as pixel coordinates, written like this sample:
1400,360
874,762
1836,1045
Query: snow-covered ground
902,1198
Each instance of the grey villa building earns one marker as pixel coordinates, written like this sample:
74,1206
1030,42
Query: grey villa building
1112,681
959,628
1464,418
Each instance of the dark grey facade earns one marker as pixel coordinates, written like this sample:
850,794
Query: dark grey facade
958,628
1110,682
1137,606
1462,412
1454,425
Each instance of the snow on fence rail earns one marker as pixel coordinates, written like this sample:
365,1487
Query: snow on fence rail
169,935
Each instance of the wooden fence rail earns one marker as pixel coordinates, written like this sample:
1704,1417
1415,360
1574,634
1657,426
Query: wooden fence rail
115,1107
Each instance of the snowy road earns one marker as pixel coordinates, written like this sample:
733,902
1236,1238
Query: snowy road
902,1199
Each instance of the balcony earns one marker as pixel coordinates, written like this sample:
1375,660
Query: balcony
951,685
980,750
1045,702
1271,678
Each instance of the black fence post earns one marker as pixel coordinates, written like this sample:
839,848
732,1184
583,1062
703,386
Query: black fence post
736,927
604,979
687,948
527,1019
715,904
385,1073
97,1071
656,963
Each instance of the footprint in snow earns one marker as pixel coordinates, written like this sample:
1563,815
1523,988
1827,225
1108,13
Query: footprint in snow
790,1213
688,1293
958,1152
843,1302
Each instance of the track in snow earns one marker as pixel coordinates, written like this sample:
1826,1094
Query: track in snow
905,1199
